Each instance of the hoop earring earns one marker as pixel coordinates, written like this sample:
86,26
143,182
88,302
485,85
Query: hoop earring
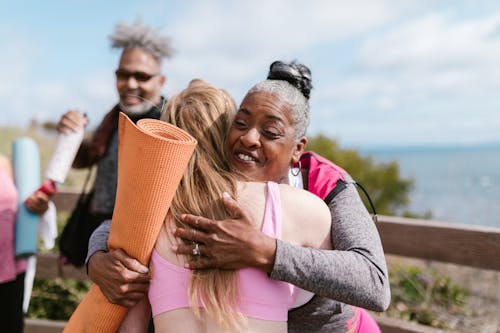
298,172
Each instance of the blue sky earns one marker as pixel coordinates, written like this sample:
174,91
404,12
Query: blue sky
385,72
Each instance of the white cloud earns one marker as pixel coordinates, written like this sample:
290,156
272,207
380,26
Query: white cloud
432,79
406,63
229,42
435,41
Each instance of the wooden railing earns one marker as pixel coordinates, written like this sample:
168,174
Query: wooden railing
431,240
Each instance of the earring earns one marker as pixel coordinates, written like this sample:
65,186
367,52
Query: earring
298,170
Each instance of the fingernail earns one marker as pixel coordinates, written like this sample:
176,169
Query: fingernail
174,248
143,270
226,195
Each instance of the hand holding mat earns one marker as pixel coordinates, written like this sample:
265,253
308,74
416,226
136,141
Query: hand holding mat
152,158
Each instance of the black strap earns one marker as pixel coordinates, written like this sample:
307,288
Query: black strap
374,216
89,174
341,185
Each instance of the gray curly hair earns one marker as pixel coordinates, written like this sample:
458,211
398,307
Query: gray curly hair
137,35
299,106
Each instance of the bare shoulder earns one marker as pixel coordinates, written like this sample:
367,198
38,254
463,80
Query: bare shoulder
292,194
250,192
303,210
252,198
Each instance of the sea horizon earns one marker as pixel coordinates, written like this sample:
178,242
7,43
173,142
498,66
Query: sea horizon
456,183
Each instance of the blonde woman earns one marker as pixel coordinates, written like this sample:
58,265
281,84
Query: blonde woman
245,300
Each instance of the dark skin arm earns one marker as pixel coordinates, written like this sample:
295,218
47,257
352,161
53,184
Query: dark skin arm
122,279
38,202
228,244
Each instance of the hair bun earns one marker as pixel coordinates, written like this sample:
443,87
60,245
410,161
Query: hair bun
297,75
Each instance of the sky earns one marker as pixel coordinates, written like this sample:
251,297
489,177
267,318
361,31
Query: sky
385,72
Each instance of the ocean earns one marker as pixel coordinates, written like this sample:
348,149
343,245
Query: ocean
458,185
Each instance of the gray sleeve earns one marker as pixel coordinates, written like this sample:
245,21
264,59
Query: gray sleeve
355,272
99,240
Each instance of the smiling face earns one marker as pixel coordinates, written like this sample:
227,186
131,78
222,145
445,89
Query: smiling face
261,141
139,81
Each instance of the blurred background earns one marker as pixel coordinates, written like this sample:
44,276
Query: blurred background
405,98
407,81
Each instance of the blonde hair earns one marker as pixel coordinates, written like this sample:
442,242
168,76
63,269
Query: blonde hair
206,113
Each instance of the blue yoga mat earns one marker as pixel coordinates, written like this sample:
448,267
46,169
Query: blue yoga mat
26,163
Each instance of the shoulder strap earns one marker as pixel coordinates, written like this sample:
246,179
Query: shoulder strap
327,180
374,211
85,183
341,185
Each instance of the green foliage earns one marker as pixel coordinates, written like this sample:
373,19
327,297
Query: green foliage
56,299
382,181
427,215
424,296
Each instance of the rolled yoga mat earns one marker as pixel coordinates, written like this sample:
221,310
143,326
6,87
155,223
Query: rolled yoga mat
152,158
26,164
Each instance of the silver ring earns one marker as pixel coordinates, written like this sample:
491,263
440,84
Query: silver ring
196,250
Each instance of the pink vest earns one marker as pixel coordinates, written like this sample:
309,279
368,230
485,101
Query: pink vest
323,176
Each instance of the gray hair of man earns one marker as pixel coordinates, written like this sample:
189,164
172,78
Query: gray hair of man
299,105
137,35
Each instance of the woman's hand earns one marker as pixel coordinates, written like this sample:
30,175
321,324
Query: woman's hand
227,244
37,203
122,279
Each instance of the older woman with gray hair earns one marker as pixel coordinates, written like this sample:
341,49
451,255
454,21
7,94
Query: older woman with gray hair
266,142
262,145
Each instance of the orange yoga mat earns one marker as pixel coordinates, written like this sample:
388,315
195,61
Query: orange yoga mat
152,157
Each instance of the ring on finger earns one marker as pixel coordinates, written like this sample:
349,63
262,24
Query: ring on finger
196,250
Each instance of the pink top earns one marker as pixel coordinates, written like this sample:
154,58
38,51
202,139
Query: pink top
9,266
260,296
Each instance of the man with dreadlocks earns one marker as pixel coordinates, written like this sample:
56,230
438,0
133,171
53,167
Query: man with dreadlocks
139,80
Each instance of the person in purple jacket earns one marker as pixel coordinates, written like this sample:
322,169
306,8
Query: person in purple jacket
340,283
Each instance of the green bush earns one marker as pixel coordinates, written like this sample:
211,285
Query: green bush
56,299
382,181
424,295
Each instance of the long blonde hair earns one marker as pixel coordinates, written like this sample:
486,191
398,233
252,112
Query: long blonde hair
206,113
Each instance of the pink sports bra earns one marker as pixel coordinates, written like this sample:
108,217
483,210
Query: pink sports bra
260,296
